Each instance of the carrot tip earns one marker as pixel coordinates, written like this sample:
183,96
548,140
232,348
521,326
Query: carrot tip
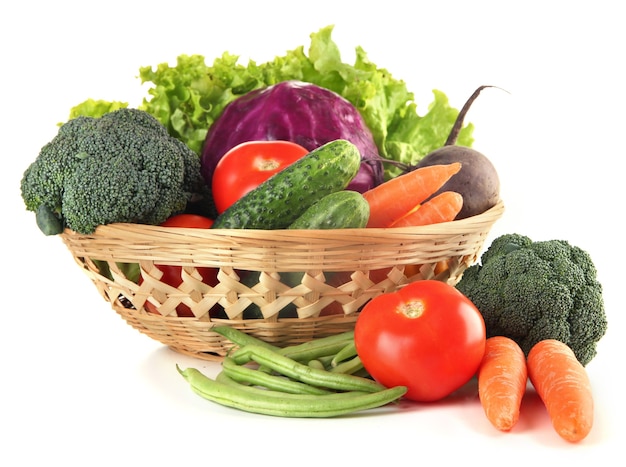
504,423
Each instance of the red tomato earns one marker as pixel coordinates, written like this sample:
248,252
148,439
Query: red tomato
427,336
172,274
193,221
249,164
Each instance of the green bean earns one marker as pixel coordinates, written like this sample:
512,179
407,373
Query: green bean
348,366
319,347
316,364
254,377
241,338
302,372
223,378
260,401
324,361
348,351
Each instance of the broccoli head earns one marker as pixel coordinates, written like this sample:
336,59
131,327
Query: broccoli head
121,167
530,291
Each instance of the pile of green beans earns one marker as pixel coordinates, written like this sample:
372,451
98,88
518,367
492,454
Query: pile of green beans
316,379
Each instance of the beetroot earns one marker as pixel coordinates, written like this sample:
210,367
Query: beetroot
477,181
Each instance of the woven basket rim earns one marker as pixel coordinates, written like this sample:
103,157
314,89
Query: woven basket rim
461,225
283,250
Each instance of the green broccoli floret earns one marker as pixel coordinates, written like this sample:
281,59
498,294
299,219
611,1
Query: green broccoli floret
530,291
121,167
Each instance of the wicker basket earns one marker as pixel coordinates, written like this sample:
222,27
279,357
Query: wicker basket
300,284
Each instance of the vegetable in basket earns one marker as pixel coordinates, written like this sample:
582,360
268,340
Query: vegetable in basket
188,97
477,183
95,108
534,290
121,167
281,199
303,113
247,165
398,197
443,207
344,209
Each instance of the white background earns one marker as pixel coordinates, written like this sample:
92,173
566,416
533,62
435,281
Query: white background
80,387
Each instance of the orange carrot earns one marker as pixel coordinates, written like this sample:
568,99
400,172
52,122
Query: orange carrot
441,266
442,208
564,387
502,378
394,198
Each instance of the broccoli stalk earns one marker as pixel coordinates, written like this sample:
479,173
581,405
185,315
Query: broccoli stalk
530,291
121,167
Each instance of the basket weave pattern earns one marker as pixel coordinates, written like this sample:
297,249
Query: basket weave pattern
323,276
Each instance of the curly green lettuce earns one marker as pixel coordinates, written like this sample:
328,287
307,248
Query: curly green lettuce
189,96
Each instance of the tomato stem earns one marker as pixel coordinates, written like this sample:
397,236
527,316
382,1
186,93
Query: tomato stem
268,164
413,309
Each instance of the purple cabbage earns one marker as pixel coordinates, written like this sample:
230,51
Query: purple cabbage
295,111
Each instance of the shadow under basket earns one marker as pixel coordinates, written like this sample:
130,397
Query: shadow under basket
282,286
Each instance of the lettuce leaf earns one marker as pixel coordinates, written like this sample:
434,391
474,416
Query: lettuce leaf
189,96
95,108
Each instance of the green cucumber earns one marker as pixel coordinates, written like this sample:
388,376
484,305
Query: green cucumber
281,199
340,210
